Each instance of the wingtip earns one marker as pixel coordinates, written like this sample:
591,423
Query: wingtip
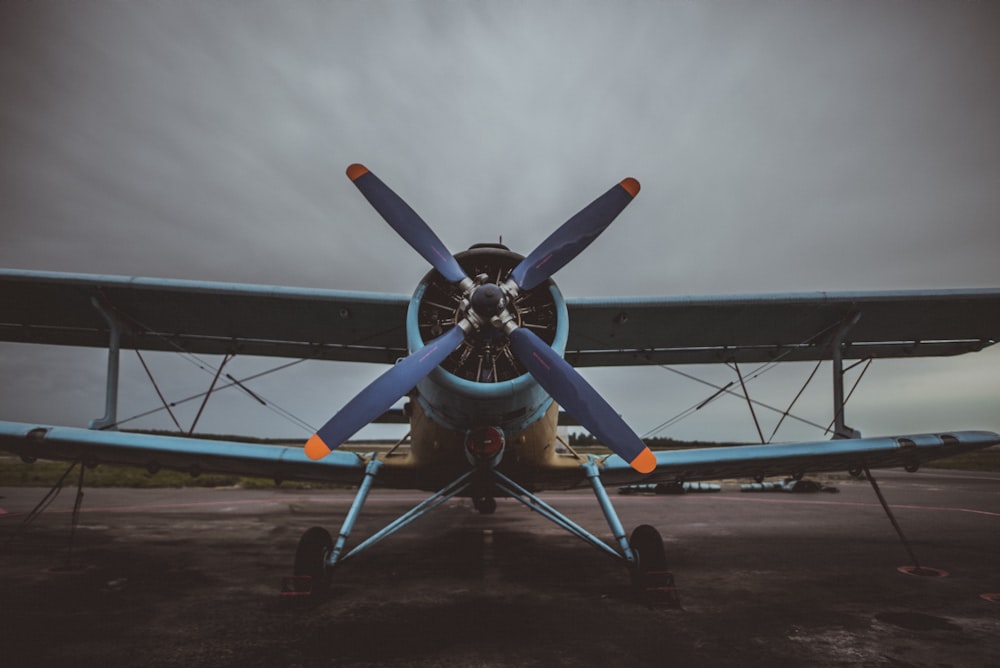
316,448
631,186
356,171
644,462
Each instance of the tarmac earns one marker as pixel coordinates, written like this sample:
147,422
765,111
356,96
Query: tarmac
191,577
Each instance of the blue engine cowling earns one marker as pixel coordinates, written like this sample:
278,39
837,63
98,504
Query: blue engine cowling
481,383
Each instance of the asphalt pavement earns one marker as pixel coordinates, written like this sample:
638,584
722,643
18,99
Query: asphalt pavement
191,577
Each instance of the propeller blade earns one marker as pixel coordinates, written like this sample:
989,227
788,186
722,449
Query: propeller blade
382,393
574,235
406,222
576,395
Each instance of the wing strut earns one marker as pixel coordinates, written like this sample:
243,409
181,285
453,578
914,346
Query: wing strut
49,497
916,568
753,413
840,428
110,417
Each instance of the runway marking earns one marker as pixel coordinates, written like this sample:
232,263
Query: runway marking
164,506
272,501
856,504
340,500
863,505
490,571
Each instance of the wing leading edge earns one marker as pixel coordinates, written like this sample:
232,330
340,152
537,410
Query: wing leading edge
202,316
786,327
218,318
193,455
748,461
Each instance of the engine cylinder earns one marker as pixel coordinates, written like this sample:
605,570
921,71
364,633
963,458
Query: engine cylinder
482,383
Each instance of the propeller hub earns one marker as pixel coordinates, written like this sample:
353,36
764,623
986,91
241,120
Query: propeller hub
487,300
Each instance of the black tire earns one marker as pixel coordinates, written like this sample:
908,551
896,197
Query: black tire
310,557
486,506
647,546
653,583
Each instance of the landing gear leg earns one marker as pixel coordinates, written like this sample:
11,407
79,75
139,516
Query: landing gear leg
644,553
352,515
317,553
317,545
610,515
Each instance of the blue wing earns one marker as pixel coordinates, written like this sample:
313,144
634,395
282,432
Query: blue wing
786,459
786,327
216,318
192,455
195,455
202,317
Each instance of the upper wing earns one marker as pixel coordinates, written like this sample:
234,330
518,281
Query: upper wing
747,461
208,317
202,317
786,327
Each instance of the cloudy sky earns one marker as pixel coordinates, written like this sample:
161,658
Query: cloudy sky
781,146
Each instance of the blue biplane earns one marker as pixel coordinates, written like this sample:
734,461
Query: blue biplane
485,356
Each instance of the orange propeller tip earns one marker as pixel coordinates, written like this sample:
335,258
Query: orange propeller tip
631,186
356,171
644,462
316,448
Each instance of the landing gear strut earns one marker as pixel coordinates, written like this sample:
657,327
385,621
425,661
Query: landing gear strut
318,554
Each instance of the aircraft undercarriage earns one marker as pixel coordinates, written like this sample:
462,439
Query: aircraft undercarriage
319,554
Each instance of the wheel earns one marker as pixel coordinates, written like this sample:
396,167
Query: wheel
486,505
652,581
310,557
650,557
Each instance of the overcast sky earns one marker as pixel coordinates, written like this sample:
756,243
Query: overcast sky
781,146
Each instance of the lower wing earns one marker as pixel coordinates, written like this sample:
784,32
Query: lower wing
195,455
785,459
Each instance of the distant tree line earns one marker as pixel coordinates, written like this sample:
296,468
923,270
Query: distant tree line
655,443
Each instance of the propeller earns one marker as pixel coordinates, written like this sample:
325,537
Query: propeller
573,236
407,223
382,393
580,399
486,306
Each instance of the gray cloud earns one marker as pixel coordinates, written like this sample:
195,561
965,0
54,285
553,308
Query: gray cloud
781,146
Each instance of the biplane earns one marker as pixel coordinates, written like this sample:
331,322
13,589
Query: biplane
484,354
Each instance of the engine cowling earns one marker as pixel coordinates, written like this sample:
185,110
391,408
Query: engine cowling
482,383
